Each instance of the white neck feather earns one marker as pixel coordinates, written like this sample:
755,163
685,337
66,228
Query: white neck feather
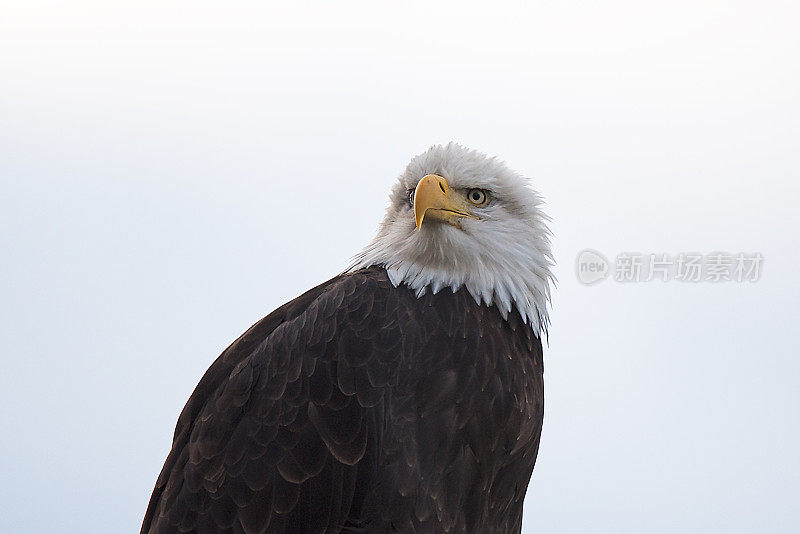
519,278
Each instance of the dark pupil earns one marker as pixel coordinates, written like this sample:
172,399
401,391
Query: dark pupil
475,196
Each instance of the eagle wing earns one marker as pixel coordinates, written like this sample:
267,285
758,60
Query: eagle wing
276,432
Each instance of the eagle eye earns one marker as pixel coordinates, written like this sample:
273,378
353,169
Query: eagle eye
411,197
477,196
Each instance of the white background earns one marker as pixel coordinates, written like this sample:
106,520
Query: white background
171,172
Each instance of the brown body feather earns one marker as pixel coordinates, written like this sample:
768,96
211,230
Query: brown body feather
358,407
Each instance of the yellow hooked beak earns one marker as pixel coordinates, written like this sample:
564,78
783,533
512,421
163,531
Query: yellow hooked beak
434,199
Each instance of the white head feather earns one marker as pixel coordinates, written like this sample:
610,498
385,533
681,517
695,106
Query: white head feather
503,259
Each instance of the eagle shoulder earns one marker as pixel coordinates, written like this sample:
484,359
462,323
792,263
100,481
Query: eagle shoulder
278,419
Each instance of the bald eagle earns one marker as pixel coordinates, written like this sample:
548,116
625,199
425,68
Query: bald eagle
404,395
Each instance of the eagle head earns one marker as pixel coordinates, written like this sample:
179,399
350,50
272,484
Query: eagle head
459,219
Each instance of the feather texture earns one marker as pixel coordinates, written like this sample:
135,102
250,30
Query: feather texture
359,407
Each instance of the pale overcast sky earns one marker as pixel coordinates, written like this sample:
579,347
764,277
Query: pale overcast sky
173,171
